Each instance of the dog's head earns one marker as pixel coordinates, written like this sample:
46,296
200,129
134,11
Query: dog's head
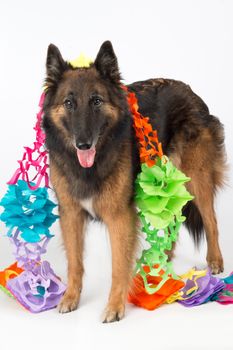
83,105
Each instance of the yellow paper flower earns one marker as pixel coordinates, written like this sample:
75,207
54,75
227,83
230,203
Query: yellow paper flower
81,61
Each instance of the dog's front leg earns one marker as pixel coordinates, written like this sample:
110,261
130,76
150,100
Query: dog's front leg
123,237
72,218
72,223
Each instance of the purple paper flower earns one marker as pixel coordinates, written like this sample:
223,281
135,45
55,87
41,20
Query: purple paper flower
206,286
28,254
37,290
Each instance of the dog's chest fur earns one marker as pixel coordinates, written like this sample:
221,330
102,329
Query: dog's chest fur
87,204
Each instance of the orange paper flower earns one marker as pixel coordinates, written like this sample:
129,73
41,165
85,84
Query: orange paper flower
138,295
149,145
10,272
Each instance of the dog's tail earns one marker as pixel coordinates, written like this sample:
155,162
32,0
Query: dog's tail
194,222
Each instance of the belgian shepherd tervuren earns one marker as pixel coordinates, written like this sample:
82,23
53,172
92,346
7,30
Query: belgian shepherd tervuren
94,161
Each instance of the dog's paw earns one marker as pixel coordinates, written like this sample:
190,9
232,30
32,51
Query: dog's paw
216,265
68,303
112,314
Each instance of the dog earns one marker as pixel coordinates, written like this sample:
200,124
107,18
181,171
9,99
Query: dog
94,161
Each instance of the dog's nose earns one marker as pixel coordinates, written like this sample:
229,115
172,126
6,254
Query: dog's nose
83,146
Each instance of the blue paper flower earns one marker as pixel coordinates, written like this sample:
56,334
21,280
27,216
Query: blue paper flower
28,210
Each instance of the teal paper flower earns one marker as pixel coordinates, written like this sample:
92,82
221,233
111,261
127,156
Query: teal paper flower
28,210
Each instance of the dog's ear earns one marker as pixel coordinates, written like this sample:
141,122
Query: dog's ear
55,66
106,63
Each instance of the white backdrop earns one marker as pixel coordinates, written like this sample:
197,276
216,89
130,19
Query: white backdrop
181,39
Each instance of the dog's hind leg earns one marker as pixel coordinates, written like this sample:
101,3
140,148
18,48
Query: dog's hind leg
200,161
204,201
123,237
72,218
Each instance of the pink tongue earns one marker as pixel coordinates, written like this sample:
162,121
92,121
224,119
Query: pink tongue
86,157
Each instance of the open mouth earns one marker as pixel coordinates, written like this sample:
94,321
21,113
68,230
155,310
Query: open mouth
86,157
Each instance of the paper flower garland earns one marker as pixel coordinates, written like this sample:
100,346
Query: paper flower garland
28,215
37,289
225,296
198,292
151,301
10,272
161,194
35,158
160,197
28,210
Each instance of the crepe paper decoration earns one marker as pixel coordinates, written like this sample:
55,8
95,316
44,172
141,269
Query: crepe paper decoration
34,159
160,197
149,146
28,210
38,289
229,279
28,254
155,257
193,274
173,297
207,286
225,296
6,291
10,272
81,61
161,194
139,296
28,215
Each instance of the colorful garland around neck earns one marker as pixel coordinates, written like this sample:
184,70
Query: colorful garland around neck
160,197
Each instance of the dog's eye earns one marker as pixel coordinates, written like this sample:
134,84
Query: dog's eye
97,101
68,104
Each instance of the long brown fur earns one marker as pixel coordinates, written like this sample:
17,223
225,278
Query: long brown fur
206,176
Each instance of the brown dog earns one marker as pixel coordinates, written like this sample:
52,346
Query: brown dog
94,161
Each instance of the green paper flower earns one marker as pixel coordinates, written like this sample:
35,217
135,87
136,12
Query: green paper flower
161,193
